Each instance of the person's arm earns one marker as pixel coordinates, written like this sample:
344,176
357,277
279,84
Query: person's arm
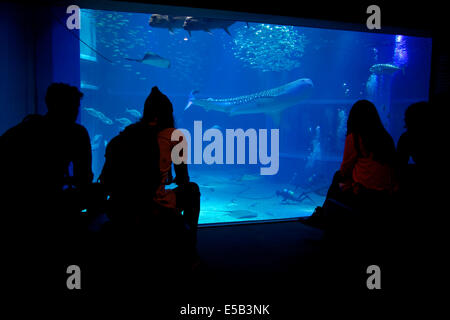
181,170
403,151
82,164
181,174
350,157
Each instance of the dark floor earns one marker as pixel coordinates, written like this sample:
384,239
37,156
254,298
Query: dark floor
266,263
282,263
286,262
263,249
286,265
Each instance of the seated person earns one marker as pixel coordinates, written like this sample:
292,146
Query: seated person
366,175
40,156
413,146
138,168
43,154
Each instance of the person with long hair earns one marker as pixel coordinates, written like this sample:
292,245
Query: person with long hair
369,152
367,174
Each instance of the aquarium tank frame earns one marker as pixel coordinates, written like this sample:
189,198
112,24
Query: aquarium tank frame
203,12
243,17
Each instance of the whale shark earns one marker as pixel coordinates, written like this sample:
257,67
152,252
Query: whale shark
271,101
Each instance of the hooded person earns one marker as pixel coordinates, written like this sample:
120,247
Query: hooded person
138,167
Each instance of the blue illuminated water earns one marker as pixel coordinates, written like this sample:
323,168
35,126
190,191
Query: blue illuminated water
256,57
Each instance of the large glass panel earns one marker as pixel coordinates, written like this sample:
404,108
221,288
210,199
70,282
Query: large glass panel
246,75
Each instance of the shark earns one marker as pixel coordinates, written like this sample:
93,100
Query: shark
206,24
167,22
272,101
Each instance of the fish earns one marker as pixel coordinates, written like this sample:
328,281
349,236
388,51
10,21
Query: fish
271,101
269,47
167,22
242,214
124,121
152,59
96,139
135,113
95,146
207,187
85,85
93,112
95,143
106,120
249,177
99,115
206,24
384,68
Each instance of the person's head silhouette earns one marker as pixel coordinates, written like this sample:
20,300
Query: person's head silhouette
364,122
158,108
363,118
415,116
63,102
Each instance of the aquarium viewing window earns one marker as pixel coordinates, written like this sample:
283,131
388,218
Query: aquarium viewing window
264,105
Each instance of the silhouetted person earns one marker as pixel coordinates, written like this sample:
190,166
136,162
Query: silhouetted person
41,157
430,229
138,167
413,147
43,154
368,163
369,155
358,211
359,199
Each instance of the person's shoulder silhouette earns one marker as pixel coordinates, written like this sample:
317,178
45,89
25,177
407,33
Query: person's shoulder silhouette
413,143
39,151
131,162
